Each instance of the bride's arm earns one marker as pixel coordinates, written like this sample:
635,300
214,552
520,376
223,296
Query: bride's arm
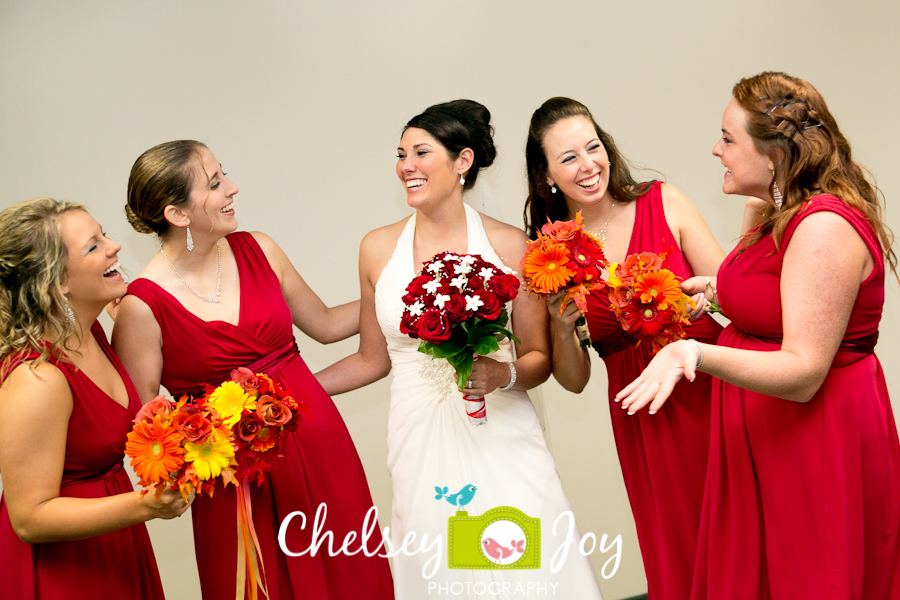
530,325
371,361
310,315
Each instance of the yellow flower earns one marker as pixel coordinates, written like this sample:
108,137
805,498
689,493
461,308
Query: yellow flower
210,457
230,400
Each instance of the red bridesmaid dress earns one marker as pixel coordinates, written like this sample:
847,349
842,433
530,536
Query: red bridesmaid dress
802,499
320,464
119,564
663,456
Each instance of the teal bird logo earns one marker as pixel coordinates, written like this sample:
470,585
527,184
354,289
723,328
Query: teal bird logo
460,498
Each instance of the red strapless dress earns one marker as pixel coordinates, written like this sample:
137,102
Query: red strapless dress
663,456
119,564
802,499
320,463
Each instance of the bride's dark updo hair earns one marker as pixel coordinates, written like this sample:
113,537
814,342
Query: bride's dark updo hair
457,125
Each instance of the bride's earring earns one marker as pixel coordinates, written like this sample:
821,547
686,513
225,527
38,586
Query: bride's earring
462,180
552,189
190,240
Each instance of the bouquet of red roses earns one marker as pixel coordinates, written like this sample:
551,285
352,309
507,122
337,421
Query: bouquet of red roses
648,300
457,307
565,256
231,432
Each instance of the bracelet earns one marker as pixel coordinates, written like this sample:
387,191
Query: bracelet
700,350
710,284
512,376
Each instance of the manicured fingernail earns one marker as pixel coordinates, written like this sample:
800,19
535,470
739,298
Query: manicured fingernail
624,407
652,412
617,400
630,413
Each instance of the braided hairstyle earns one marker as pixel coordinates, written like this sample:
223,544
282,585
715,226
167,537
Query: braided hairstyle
786,115
32,271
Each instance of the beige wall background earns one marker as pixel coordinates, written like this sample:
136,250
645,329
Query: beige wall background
303,103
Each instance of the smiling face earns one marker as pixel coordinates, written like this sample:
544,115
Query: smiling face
748,172
427,171
211,205
92,266
577,162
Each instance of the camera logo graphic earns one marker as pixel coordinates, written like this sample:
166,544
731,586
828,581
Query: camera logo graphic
502,538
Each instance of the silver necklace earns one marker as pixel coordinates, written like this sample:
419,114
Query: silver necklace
602,234
214,297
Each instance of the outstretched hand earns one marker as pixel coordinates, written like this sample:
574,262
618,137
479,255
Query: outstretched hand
655,384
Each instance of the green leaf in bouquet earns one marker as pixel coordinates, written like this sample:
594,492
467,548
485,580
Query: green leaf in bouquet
447,349
494,329
486,345
462,362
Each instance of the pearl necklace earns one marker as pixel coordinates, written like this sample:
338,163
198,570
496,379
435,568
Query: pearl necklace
214,297
602,234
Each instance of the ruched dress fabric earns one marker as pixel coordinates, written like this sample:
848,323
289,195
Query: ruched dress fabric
803,499
118,564
431,443
663,456
319,466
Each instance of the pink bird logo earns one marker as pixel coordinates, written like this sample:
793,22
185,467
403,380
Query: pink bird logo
499,552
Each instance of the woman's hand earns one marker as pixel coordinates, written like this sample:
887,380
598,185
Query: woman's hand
487,375
563,321
654,385
702,292
169,505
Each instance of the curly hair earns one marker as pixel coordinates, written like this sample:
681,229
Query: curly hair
788,116
541,204
33,316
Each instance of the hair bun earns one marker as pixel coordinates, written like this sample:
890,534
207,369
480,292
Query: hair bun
140,225
460,124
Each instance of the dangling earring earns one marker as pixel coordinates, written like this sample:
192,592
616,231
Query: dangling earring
190,240
462,180
552,189
776,193
69,312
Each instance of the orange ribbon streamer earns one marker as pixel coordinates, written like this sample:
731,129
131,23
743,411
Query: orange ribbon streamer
249,580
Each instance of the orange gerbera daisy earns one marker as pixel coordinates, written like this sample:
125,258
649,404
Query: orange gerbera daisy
155,450
546,270
658,287
265,439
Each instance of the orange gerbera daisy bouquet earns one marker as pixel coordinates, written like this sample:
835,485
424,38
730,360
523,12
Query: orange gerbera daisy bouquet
647,299
565,257
231,432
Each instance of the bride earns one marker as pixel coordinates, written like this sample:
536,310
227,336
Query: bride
432,446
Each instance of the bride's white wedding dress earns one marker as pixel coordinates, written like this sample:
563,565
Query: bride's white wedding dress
432,444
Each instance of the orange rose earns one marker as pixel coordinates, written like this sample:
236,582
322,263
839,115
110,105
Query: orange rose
561,230
273,412
245,378
158,406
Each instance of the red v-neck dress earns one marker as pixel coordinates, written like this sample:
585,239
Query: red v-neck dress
320,463
663,456
119,564
802,499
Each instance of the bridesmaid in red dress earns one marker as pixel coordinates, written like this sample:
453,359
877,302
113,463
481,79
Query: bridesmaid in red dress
71,524
212,300
803,495
574,165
